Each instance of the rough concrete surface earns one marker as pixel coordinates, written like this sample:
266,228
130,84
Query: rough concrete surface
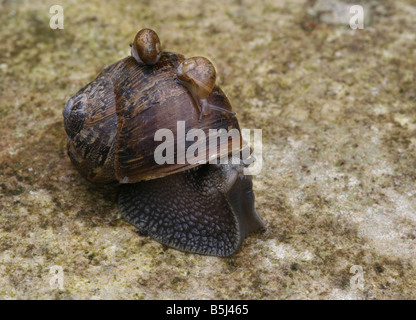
337,189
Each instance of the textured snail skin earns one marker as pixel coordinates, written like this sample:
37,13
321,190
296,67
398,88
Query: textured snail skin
206,210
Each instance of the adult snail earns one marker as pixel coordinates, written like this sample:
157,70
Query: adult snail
111,125
198,75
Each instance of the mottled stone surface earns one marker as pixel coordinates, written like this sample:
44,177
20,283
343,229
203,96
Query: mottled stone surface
337,189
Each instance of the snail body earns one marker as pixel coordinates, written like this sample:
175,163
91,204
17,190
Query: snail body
111,125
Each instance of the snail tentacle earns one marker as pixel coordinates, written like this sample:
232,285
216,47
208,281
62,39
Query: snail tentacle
206,105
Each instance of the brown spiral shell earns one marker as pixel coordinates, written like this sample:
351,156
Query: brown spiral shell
111,122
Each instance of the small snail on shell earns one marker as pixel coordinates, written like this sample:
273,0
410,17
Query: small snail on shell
198,75
111,125
146,48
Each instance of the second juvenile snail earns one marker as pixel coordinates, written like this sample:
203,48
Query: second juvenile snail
198,75
111,125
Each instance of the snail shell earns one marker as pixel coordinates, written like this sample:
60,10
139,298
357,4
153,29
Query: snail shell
146,48
111,122
199,74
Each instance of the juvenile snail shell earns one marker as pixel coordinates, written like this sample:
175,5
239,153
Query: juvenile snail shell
198,75
146,48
